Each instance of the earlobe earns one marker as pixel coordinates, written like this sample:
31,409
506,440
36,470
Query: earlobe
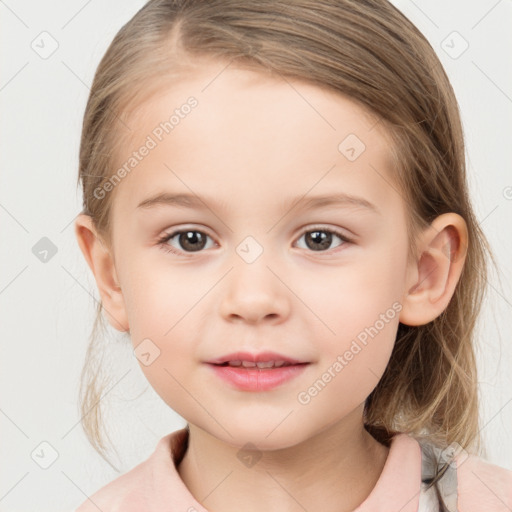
101,263
432,278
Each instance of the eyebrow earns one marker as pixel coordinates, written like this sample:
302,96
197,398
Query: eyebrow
194,201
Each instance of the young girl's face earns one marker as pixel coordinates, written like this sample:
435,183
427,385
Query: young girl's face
266,266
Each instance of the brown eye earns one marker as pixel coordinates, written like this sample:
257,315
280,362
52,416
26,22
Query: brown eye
320,240
189,240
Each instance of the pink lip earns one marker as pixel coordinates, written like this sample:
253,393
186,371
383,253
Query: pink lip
256,379
262,356
250,379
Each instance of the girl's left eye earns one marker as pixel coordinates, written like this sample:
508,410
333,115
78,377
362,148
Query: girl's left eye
193,240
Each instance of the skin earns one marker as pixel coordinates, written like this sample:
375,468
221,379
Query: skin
251,144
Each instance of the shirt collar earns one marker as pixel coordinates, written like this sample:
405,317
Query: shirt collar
398,487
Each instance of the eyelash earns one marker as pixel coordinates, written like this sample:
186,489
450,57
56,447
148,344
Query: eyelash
162,241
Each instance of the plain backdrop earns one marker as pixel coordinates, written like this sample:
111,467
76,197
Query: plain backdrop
47,308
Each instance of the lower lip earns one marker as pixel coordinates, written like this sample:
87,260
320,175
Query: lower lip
250,379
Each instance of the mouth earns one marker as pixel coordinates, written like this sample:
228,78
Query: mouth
257,376
259,365
262,361
245,371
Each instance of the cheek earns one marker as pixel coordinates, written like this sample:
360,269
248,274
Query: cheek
354,296
359,306
353,360
156,296
162,306
162,318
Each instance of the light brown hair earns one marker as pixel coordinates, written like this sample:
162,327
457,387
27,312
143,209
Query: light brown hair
368,51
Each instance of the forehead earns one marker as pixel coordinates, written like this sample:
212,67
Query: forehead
254,133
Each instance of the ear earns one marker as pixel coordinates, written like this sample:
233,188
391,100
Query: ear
433,276
101,263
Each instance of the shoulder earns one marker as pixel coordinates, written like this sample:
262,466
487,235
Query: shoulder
123,493
482,485
132,490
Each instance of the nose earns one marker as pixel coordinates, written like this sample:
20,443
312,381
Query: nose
253,293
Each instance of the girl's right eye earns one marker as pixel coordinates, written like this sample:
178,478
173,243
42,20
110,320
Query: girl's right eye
189,238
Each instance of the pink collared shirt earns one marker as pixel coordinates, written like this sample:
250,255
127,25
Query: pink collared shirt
155,485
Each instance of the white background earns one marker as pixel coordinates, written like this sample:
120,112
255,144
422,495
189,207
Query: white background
47,309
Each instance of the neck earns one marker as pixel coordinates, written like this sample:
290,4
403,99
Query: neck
334,471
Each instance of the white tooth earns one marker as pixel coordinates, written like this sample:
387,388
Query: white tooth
248,364
235,363
278,364
265,364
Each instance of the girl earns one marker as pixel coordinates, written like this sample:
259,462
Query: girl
318,338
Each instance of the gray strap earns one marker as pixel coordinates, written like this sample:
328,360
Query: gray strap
442,496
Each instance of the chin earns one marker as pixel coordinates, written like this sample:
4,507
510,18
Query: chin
262,436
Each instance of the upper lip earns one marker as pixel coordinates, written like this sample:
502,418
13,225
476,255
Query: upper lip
261,357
